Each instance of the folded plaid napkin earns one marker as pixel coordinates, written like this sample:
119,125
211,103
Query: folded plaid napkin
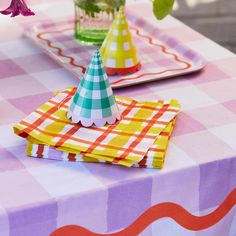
128,142
154,159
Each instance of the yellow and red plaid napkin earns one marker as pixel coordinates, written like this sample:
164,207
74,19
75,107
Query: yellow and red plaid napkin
154,159
141,136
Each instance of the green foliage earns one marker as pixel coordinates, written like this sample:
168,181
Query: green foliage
88,6
118,3
91,7
161,8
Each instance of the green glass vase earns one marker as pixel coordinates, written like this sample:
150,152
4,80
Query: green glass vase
93,19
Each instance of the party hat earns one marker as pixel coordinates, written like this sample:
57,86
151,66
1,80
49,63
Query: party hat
117,51
93,102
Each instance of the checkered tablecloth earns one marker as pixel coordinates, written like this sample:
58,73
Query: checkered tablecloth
200,171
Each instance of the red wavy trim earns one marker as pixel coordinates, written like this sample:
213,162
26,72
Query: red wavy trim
164,50
59,50
123,71
171,210
150,41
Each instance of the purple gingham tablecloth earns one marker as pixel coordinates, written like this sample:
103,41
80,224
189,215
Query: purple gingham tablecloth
38,196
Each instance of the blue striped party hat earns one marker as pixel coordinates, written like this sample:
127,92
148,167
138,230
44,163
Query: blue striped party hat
94,102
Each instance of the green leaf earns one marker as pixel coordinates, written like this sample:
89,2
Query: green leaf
103,6
161,8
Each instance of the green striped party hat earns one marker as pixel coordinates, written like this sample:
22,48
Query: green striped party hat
94,102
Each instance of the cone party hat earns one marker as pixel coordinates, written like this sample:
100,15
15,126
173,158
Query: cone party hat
94,102
117,51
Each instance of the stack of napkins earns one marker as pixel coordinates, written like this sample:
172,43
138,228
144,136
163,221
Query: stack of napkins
139,139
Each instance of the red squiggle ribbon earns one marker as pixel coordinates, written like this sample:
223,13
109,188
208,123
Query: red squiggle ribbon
59,50
164,50
150,41
172,210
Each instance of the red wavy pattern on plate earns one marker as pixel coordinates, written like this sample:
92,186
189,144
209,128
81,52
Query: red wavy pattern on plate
59,50
150,41
172,210
164,50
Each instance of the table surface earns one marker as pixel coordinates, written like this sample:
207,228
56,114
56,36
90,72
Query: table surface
200,170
